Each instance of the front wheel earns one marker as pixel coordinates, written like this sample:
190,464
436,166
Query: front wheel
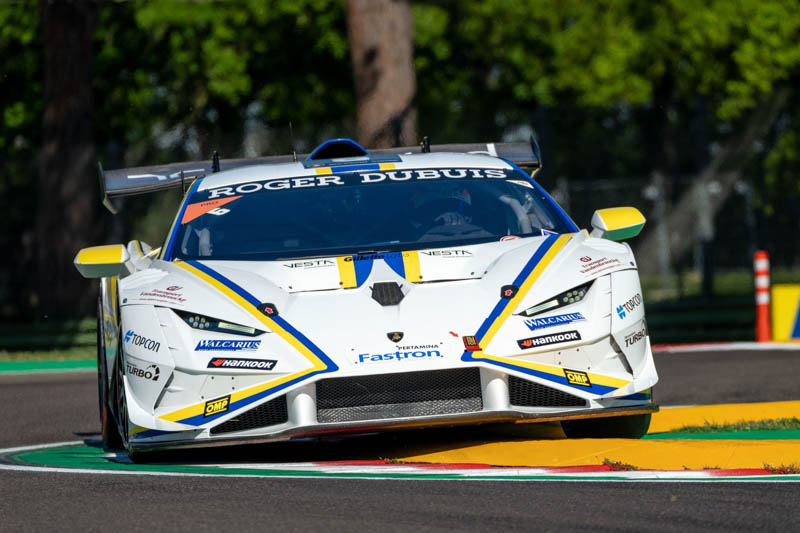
122,403
108,426
613,427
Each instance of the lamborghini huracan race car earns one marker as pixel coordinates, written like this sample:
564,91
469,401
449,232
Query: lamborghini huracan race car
355,291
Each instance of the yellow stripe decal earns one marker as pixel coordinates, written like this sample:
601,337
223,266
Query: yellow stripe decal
596,379
109,253
135,429
411,266
323,171
139,247
620,217
529,275
537,271
194,414
347,272
387,166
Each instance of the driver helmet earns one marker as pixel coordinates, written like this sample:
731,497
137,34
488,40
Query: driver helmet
447,205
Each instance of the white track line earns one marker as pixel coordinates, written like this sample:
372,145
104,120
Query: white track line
601,476
427,474
6,451
726,347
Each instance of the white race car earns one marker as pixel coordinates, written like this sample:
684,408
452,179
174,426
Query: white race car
354,292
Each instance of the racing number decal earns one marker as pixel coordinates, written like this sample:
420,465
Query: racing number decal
199,209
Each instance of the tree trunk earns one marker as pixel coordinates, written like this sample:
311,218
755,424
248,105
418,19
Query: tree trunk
723,171
66,218
662,180
381,36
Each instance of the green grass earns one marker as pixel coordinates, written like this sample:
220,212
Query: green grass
726,283
68,354
758,425
619,466
793,468
75,339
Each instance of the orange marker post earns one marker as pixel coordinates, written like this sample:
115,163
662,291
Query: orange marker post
761,267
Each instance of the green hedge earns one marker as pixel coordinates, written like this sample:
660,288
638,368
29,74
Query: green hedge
690,320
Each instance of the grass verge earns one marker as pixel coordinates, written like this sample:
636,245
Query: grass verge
72,354
793,468
618,466
757,425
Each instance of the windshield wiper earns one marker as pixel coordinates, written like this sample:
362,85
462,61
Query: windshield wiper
370,252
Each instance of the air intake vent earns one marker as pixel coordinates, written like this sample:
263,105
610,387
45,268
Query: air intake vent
335,148
407,394
524,393
267,414
387,293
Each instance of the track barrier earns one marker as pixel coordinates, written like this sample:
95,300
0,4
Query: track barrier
785,312
761,267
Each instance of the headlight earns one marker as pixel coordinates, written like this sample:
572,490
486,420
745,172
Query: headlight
569,297
206,323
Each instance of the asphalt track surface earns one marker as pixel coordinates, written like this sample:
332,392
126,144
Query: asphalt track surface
45,408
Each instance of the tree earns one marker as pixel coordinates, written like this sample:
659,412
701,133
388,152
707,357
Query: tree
637,66
381,46
20,130
67,202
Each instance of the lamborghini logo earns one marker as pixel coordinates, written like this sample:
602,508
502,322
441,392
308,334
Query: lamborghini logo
395,336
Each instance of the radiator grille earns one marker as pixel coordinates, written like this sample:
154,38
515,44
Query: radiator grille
267,414
402,395
524,393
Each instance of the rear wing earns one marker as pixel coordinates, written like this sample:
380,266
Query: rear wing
141,180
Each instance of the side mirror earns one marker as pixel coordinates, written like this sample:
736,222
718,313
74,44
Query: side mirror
142,255
102,261
617,223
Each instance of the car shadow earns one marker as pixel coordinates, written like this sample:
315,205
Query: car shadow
388,446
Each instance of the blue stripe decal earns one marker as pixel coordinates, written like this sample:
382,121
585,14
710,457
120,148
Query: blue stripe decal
637,396
363,267
353,168
280,321
395,262
796,329
518,281
177,224
152,433
594,389
500,307
198,420
306,342
227,282
550,202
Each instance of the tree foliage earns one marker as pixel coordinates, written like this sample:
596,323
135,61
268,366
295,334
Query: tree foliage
610,51
615,87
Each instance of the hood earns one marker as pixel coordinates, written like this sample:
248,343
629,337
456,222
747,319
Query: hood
352,271
447,293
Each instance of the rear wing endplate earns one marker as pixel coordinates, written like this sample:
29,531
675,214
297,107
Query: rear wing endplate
141,180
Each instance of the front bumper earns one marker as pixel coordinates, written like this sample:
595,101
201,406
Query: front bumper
367,404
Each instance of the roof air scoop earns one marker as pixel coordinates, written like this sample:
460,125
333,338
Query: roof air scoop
336,148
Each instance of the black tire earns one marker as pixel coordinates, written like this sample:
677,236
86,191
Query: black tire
108,425
122,402
140,457
619,427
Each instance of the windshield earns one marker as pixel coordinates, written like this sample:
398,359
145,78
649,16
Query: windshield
357,212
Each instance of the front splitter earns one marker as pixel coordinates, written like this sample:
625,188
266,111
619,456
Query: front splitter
374,426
